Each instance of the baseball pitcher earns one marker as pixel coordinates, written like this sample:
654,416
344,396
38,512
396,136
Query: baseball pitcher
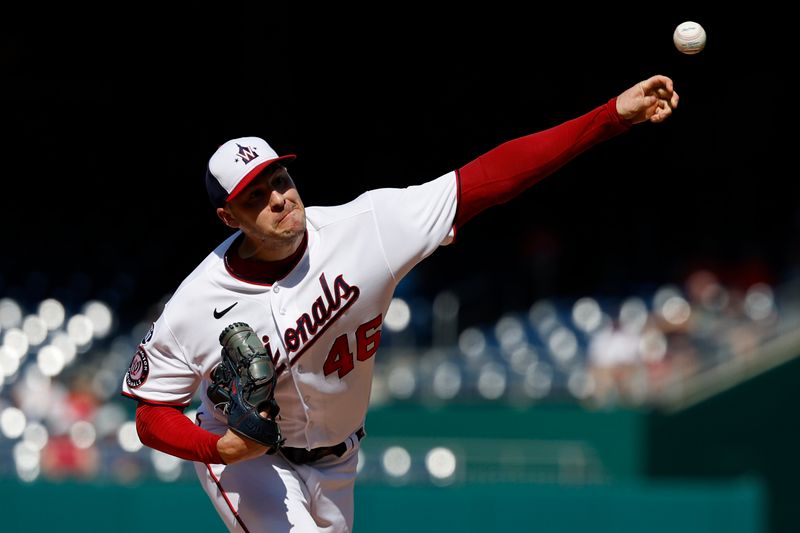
279,326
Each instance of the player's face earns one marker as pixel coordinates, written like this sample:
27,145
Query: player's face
269,211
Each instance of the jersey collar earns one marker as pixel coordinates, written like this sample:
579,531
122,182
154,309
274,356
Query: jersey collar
261,272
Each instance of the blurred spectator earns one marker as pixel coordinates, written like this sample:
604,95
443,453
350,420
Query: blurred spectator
61,459
81,400
613,357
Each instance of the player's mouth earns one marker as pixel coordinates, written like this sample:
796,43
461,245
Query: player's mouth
286,215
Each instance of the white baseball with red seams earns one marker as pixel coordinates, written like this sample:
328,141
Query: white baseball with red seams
689,37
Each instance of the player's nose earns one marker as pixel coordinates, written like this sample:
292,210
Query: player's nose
276,200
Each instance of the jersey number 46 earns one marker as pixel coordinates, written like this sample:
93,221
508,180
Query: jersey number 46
340,358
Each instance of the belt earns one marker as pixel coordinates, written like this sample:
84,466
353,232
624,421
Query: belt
301,456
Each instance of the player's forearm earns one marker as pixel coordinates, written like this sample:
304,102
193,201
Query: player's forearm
168,430
502,173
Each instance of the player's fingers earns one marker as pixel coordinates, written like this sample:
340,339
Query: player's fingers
663,110
655,82
673,103
656,116
649,101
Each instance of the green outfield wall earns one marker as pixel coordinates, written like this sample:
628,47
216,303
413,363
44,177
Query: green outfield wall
749,430
621,508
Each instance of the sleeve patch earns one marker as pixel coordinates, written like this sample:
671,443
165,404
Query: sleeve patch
137,372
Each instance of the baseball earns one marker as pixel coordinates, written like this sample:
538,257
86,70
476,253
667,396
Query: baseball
689,37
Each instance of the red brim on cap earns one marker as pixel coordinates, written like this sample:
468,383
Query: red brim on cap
250,176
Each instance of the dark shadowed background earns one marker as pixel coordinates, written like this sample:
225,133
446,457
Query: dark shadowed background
106,135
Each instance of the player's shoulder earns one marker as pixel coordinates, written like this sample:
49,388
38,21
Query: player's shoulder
321,216
386,200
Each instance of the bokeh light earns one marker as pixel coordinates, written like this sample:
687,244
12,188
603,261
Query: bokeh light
168,467
101,316
10,314
441,464
35,329
16,340
402,382
492,381
587,315
36,435
52,313
396,461
398,316
12,422
447,380
80,330
128,438
50,360
82,434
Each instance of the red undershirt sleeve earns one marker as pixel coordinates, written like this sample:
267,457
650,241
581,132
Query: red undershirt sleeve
167,429
505,171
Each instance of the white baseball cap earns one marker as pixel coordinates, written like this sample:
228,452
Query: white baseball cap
234,165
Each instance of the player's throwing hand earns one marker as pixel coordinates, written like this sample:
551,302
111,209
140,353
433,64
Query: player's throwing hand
652,99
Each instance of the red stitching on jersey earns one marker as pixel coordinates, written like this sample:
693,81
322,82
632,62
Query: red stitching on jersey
151,402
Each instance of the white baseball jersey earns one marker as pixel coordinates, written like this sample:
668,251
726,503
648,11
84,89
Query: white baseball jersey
321,323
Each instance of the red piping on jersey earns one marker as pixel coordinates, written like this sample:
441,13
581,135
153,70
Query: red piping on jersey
225,495
153,403
505,171
458,203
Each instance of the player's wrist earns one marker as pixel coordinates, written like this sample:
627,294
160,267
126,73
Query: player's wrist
614,109
233,448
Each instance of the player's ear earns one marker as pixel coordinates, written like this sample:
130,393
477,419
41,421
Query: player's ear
227,218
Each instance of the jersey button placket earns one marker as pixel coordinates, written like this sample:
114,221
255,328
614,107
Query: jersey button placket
276,306
279,304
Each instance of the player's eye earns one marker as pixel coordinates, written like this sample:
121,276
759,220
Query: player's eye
256,195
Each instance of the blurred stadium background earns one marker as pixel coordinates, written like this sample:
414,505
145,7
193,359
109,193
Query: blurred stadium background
616,349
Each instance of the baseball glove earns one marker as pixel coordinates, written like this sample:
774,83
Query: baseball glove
243,386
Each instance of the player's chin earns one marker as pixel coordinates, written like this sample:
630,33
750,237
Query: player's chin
291,226
295,219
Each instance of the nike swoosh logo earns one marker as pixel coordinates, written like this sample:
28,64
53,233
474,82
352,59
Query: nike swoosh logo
220,314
